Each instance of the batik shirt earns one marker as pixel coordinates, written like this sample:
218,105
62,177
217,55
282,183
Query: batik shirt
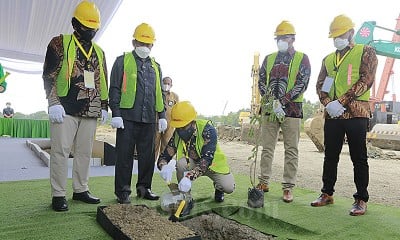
80,101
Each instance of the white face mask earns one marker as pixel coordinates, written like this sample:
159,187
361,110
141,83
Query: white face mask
282,46
142,52
340,43
166,87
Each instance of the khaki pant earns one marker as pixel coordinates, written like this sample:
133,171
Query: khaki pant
222,182
74,132
269,137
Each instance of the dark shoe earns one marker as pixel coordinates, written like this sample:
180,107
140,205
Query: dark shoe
287,195
263,186
85,197
59,204
146,194
218,195
323,200
124,198
359,208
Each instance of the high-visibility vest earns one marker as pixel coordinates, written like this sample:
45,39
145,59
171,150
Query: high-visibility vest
294,64
219,163
63,79
347,73
129,81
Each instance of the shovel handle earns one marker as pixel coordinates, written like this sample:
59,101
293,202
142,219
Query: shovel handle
180,208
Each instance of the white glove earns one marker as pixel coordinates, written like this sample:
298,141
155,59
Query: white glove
166,172
117,122
104,116
278,110
56,113
335,109
185,184
162,125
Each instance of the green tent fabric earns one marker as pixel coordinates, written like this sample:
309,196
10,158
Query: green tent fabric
24,128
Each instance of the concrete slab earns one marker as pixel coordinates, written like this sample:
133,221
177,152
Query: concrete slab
19,162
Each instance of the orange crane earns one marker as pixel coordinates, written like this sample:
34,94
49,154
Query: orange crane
390,49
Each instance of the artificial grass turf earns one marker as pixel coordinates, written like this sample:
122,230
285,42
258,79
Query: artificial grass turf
25,212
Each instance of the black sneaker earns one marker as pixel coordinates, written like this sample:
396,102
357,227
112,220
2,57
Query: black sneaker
218,195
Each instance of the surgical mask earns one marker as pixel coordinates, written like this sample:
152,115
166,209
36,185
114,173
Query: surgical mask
185,134
142,52
282,46
340,43
166,87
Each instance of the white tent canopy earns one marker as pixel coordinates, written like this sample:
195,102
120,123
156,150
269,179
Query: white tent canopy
27,26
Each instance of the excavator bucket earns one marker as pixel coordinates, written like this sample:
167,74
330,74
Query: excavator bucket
314,128
385,136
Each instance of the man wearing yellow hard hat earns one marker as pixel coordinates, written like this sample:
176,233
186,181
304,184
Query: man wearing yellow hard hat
343,87
136,100
195,144
284,77
75,81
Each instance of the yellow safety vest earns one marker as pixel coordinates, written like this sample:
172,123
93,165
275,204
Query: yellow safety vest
294,64
63,78
345,72
129,81
219,163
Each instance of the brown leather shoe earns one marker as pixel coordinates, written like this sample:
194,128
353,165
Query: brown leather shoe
322,200
359,208
287,195
263,186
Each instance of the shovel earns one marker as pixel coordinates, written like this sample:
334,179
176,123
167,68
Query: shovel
175,217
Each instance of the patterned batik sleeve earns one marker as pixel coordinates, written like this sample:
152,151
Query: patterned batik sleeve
207,152
168,153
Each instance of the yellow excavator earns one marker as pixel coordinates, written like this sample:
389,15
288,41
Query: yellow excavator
384,124
245,118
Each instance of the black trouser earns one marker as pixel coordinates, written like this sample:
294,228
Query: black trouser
355,130
140,136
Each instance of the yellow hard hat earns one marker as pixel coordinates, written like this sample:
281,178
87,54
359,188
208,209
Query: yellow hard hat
88,14
144,33
182,114
284,28
340,25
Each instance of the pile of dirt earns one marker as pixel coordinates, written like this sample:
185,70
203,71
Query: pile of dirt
214,227
140,222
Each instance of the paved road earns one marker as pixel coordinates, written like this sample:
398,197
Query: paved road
18,162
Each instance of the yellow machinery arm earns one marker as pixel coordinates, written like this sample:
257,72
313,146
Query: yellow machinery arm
255,95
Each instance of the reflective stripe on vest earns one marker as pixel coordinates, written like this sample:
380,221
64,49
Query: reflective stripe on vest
294,64
347,73
129,80
219,163
63,78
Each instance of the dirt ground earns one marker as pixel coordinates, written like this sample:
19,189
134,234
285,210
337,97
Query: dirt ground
384,168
